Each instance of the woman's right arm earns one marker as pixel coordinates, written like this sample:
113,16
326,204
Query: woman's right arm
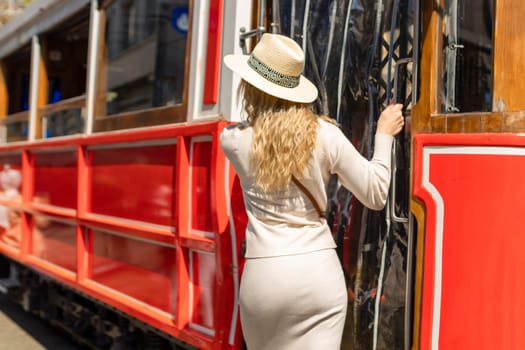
368,180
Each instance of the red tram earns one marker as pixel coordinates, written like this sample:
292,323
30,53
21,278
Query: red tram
121,221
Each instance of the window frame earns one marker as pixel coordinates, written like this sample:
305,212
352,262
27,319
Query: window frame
154,116
440,96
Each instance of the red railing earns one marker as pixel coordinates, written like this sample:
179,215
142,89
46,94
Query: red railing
140,220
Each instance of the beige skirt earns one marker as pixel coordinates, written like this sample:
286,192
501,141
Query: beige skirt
293,302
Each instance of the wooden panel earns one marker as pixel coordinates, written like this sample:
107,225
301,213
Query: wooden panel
439,123
514,122
418,210
472,123
101,69
478,122
148,117
428,85
454,124
491,123
4,98
509,56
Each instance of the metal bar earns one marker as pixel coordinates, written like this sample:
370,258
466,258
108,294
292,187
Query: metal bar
305,24
451,57
276,17
262,14
35,81
393,197
91,88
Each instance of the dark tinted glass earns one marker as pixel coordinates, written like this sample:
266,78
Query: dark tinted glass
468,33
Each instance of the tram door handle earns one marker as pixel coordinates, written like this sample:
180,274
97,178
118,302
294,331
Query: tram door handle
393,186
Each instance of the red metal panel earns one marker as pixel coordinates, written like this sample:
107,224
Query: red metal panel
213,53
55,178
112,263
134,182
55,242
474,266
142,270
200,187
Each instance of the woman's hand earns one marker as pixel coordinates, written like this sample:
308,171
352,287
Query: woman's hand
391,120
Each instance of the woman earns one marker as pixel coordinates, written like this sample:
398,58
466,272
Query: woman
293,293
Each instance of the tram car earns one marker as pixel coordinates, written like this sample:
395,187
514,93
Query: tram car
122,222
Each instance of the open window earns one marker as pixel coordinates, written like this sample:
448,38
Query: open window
15,72
64,56
143,65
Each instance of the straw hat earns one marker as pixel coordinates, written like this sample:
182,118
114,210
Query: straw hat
275,67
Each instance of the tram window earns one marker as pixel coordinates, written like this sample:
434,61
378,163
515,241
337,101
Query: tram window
15,69
65,60
145,55
468,37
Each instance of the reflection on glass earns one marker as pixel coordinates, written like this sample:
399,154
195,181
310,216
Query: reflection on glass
55,242
65,122
146,50
117,261
10,219
202,277
17,130
467,56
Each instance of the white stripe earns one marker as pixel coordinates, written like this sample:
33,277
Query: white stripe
481,150
438,253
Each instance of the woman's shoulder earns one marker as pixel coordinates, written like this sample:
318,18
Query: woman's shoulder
328,128
234,129
232,134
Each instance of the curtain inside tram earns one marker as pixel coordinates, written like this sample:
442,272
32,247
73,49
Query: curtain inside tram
352,47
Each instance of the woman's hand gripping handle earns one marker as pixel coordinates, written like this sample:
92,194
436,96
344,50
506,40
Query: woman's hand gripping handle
391,120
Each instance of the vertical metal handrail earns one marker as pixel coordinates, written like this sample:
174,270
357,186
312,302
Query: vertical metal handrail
393,198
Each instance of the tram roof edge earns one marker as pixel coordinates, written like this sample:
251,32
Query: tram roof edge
38,17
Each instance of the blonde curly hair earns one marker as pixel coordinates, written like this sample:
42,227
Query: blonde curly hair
284,137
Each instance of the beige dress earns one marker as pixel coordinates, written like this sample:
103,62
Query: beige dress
293,293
